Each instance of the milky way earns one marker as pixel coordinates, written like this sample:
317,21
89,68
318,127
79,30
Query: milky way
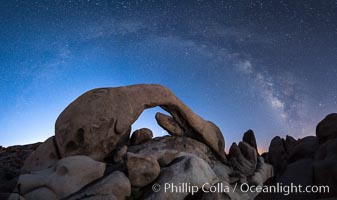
269,66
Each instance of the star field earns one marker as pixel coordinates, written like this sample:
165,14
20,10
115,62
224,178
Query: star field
269,66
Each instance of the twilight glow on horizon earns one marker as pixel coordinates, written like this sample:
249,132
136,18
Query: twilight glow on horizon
269,66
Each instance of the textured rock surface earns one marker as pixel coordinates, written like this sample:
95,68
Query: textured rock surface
141,170
165,149
263,172
215,196
100,120
66,177
41,193
169,124
120,154
248,152
239,162
327,128
113,186
222,171
140,136
185,169
12,160
43,157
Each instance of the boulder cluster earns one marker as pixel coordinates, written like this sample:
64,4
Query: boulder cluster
12,160
310,161
92,155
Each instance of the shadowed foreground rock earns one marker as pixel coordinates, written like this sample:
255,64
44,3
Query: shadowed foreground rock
327,128
310,161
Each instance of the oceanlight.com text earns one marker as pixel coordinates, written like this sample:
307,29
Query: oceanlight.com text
244,187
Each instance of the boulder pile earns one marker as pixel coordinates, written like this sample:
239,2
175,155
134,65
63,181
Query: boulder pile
310,161
93,157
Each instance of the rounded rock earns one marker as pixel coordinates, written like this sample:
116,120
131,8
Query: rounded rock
141,136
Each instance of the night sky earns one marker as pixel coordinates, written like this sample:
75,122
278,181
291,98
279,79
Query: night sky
270,66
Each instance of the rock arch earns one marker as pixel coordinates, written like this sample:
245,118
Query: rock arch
100,120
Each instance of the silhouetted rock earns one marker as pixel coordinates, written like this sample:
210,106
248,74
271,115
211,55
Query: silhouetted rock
325,167
140,136
277,154
327,151
327,128
307,161
249,138
325,174
289,144
306,148
300,172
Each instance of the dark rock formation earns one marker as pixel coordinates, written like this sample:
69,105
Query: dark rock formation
327,128
290,143
305,148
12,160
249,138
310,161
277,154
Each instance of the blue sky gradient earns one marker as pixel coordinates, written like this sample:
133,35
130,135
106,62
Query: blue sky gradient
270,67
